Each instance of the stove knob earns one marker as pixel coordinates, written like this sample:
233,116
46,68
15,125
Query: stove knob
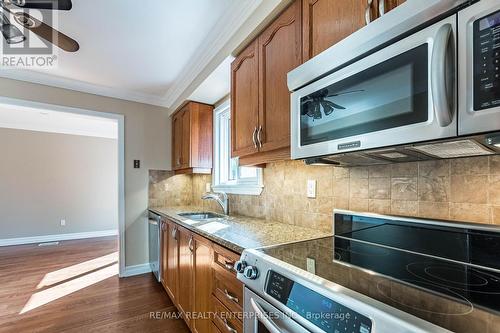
240,266
251,272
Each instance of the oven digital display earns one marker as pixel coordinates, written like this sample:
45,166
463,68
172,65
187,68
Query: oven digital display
321,311
487,62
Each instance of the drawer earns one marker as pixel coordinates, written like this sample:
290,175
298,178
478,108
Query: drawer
225,259
228,290
225,320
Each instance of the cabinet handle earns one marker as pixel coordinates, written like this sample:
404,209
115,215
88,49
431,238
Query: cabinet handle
259,140
190,244
228,327
231,297
254,139
368,12
163,226
229,265
381,7
174,233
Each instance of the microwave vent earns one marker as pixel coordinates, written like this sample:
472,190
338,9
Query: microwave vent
356,159
453,149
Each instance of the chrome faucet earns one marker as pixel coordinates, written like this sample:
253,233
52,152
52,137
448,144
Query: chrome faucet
221,198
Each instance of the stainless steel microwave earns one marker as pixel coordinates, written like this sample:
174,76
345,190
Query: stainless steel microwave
404,82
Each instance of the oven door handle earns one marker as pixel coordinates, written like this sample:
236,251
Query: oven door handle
439,74
263,318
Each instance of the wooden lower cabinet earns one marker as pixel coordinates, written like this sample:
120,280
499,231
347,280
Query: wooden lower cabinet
198,276
202,263
185,295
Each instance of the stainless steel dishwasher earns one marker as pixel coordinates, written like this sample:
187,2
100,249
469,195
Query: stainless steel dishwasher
154,229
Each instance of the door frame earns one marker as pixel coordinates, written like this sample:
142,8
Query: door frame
120,119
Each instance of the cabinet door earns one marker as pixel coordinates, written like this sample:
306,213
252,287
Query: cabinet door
170,260
391,4
202,258
280,51
186,138
244,101
176,141
326,22
185,292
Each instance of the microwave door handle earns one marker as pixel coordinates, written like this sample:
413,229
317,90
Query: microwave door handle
440,96
263,318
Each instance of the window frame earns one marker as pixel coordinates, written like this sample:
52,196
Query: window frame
252,186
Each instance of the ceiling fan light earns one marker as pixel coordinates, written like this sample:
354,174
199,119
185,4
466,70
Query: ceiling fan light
12,34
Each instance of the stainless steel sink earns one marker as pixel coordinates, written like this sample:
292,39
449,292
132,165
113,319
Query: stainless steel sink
201,216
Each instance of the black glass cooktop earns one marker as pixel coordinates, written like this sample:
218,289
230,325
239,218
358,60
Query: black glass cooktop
452,263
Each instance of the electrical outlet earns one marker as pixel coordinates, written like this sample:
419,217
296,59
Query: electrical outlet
208,187
63,223
311,188
311,265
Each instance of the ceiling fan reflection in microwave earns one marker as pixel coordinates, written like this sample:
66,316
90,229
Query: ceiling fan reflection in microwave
14,9
314,103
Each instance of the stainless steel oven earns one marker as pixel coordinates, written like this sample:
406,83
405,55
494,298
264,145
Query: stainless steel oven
262,317
405,90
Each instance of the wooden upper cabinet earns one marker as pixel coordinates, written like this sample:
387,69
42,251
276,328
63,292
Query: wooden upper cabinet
326,22
391,4
260,99
280,51
192,138
245,101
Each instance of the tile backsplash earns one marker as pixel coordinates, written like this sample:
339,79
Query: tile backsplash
459,189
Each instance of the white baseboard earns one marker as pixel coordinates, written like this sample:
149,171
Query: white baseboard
60,237
136,270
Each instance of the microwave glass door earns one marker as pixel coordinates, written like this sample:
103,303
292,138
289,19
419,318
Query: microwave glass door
393,93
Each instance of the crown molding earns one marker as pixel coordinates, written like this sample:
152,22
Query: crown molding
80,86
218,37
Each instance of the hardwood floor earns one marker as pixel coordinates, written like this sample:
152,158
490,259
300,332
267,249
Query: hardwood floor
74,287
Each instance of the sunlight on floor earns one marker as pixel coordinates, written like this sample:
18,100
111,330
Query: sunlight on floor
48,295
78,269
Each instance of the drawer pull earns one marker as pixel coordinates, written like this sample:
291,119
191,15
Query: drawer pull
231,297
229,265
228,327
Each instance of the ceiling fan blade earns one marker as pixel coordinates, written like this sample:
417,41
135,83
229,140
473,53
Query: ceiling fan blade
46,32
334,105
10,32
345,93
44,4
327,108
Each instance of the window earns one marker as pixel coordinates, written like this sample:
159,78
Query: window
228,175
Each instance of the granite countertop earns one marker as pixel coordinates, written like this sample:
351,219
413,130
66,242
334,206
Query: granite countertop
240,232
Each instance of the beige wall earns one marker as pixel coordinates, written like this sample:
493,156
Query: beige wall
459,189
147,137
46,177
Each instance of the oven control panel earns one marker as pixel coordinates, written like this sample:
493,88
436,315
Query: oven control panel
487,62
322,312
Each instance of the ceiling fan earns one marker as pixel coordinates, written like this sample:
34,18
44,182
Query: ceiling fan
14,8
312,104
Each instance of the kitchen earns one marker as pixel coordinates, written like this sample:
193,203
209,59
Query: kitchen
385,214
284,166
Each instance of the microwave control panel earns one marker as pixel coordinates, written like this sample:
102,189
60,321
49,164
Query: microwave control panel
487,62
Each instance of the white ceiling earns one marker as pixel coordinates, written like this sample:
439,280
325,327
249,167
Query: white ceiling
139,50
25,118
216,85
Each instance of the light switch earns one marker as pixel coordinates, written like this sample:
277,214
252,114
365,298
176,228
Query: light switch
63,223
137,164
311,188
